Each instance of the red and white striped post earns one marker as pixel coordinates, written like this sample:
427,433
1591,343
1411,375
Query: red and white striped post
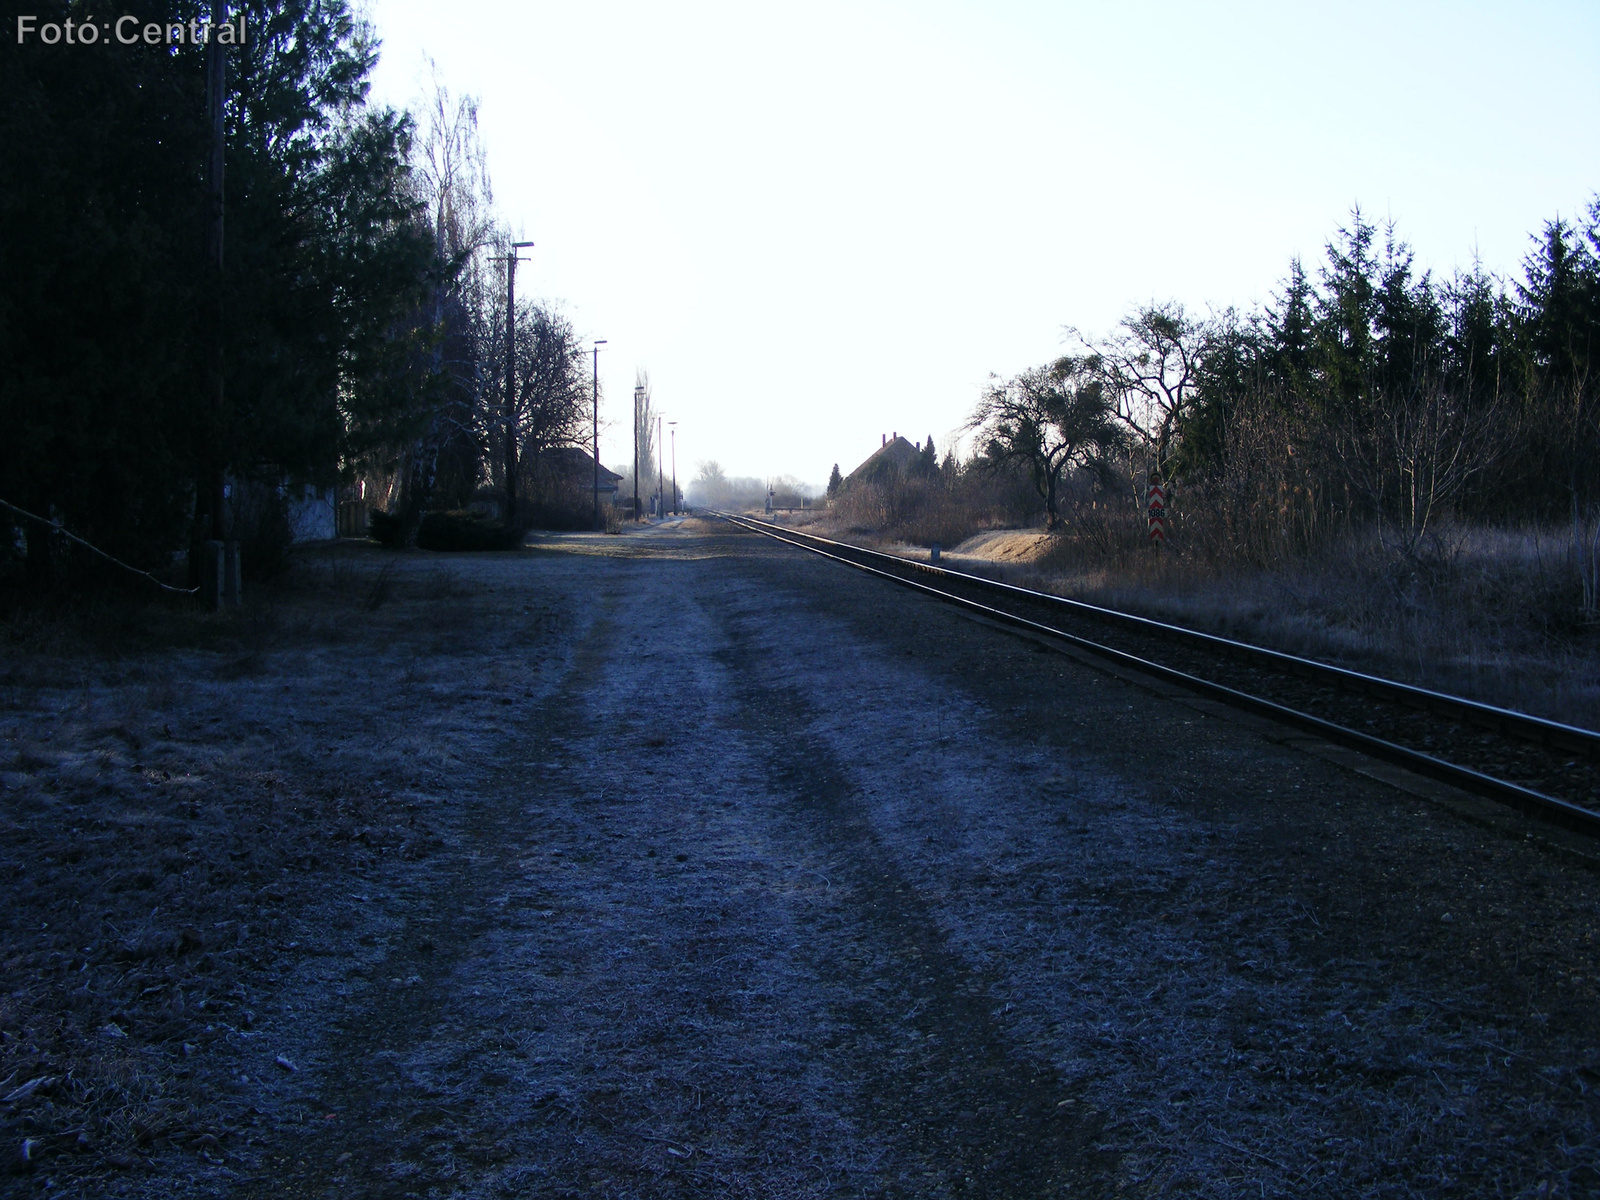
1156,513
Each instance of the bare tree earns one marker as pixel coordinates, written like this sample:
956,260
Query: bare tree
1148,367
1048,419
452,176
552,402
645,414
1411,456
710,484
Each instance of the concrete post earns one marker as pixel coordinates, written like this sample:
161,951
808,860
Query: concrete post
232,574
211,575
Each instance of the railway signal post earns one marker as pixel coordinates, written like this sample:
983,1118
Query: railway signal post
1156,513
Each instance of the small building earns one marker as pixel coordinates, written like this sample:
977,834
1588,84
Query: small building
559,488
571,468
895,457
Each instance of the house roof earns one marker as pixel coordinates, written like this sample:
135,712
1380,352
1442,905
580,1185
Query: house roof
579,463
896,454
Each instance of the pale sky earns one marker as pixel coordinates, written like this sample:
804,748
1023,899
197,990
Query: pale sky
817,223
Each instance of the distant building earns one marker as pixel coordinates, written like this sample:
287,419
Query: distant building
312,512
895,457
571,468
275,502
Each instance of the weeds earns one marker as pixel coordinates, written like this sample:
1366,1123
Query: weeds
1503,615
1586,561
379,590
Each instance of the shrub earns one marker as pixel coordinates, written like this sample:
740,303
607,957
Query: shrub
387,529
465,531
446,531
947,508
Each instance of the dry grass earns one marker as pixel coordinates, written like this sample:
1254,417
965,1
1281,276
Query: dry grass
1494,614
1487,613
856,907
179,793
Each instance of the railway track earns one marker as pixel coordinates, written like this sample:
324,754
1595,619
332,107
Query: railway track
1543,768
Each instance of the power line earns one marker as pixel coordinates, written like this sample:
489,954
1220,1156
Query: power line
66,533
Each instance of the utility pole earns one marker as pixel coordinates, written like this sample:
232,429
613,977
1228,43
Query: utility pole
673,425
598,342
219,561
511,261
661,475
638,402
216,110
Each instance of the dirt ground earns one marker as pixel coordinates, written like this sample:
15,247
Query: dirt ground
679,863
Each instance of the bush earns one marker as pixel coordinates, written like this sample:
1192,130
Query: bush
447,531
947,508
387,529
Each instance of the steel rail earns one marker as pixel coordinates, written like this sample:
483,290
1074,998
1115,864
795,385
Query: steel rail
1503,720
1526,800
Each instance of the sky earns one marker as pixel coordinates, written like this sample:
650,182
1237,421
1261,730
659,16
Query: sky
815,224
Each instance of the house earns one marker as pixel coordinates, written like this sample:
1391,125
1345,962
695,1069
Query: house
571,469
895,457
555,482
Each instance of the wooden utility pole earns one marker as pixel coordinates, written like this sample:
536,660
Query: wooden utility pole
218,559
216,108
511,381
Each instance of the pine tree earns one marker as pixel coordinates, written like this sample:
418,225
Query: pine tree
107,326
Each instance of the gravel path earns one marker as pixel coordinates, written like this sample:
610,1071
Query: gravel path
753,877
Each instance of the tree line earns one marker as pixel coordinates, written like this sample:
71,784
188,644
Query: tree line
1369,394
360,310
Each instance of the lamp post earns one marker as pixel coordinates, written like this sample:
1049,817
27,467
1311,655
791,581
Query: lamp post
638,400
672,427
661,476
598,342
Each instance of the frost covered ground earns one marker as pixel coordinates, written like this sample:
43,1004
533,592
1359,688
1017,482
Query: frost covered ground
681,864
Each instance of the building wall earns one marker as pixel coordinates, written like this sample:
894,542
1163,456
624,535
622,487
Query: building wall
312,513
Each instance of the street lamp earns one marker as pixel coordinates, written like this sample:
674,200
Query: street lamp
598,342
673,430
661,475
638,402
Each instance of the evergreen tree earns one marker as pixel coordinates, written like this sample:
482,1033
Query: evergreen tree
107,325
1558,326
1290,330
